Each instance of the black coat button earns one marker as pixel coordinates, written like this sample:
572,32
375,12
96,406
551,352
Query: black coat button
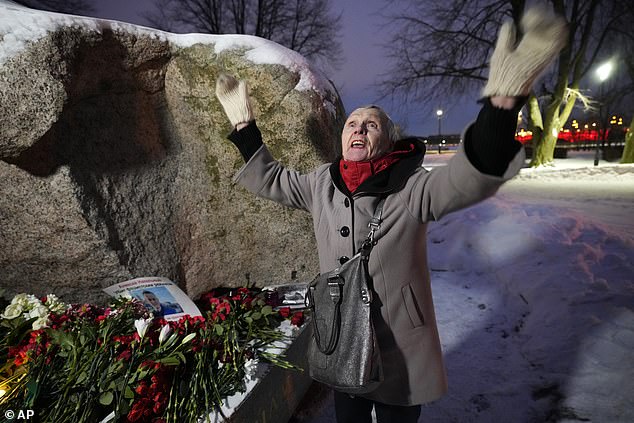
343,259
346,202
344,231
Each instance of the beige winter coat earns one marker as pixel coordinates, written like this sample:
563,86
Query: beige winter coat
408,336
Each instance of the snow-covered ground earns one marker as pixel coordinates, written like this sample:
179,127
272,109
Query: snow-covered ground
534,296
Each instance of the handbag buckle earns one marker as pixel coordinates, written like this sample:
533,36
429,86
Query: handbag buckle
335,284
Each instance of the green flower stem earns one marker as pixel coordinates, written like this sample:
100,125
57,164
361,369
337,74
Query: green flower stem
121,395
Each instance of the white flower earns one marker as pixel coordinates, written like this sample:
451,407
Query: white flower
40,323
20,300
27,302
12,311
142,325
54,304
115,312
188,338
165,332
38,311
33,300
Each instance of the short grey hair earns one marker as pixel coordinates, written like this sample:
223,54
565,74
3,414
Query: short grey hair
392,131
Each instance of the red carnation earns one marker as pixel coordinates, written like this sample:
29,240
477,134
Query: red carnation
125,355
140,409
298,318
142,389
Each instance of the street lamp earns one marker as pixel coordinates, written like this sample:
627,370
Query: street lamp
439,116
603,73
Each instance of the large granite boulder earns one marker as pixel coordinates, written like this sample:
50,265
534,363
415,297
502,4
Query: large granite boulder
114,162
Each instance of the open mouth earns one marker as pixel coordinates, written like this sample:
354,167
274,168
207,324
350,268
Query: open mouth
358,144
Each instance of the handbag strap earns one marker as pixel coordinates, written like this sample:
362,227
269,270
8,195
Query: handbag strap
335,287
374,225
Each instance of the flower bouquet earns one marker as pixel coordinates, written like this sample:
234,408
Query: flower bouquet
87,363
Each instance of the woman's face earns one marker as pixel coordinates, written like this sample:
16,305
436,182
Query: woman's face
365,135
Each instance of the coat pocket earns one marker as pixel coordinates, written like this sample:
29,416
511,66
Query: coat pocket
411,305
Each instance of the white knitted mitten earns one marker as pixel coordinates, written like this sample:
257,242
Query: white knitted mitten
234,97
514,68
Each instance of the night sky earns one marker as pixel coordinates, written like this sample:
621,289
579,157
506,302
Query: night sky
363,36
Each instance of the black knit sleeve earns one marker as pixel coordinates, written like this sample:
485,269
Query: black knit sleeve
248,140
490,142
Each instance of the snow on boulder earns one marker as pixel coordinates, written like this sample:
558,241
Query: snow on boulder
115,164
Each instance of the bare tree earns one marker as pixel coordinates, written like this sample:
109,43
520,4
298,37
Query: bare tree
76,7
310,31
306,26
205,16
442,48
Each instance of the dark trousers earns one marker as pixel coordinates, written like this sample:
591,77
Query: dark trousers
358,410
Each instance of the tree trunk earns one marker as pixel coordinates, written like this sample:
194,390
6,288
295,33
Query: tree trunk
544,150
628,151
536,126
546,133
544,153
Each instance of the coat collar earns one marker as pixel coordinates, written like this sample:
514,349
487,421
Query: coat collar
388,181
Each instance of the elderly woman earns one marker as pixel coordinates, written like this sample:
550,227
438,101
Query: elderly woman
342,197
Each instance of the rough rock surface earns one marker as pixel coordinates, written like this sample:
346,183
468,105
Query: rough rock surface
114,162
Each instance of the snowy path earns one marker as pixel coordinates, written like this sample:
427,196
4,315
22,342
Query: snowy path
536,312
534,296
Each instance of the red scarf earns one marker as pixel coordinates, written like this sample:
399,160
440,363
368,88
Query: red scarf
354,173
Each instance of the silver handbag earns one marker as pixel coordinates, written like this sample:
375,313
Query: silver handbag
344,352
